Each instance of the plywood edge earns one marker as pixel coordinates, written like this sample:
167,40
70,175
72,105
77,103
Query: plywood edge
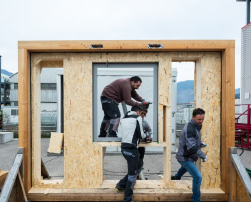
36,194
126,45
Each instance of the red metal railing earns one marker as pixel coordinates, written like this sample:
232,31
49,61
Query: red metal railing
243,129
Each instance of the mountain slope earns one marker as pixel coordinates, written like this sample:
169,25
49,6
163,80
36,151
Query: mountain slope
3,71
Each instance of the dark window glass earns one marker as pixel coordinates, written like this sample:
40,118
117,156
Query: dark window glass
15,103
13,112
48,86
15,86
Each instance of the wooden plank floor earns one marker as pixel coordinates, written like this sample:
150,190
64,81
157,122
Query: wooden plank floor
37,194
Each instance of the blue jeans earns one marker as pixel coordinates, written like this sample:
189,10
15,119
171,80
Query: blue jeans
189,166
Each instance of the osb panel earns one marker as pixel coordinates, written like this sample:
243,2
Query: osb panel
56,141
241,192
82,156
210,102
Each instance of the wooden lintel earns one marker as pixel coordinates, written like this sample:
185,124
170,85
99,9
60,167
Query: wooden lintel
126,45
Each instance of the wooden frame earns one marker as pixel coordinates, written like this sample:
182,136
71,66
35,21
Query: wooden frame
227,48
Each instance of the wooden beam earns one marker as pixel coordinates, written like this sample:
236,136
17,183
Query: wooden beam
232,178
24,112
44,171
228,113
36,194
126,45
22,186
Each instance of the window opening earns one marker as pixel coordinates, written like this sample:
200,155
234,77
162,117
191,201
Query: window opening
104,75
51,137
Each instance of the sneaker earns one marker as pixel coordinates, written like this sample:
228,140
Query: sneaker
173,178
120,188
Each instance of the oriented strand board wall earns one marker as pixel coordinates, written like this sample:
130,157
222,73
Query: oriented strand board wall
241,193
82,156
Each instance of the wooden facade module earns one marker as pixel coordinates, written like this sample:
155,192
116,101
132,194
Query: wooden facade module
214,82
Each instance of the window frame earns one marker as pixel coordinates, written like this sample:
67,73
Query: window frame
96,98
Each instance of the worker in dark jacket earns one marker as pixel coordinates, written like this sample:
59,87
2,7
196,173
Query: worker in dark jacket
189,151
132,132
118,91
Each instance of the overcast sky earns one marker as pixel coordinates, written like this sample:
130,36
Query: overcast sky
114,20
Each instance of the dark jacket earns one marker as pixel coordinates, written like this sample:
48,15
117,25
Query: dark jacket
189,143
121,90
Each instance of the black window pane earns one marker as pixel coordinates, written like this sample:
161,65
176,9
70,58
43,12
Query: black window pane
13,112
15,86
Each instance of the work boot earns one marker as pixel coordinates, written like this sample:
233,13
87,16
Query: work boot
102,135
120,188
112,133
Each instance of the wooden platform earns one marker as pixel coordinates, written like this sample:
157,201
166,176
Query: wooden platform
37,194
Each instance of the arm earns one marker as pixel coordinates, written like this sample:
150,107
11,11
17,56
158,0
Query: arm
135,96
146,126
126,92
191,142
143,135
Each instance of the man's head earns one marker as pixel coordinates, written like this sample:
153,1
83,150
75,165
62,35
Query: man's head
136,109
135,82
198,116
143,113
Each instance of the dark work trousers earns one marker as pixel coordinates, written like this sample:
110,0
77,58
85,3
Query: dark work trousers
134,168
111,118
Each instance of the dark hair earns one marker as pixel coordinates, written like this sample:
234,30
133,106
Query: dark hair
198,111
135,108
136,79
144,110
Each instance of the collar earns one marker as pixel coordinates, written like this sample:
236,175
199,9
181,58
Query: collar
196,125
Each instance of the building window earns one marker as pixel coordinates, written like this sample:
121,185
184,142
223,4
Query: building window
14,112
15,85
48,86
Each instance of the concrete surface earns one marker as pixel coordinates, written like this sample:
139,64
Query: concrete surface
6,137
114,164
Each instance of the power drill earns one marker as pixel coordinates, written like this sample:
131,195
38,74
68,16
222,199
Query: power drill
148,138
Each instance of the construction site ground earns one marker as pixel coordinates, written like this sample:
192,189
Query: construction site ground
114,164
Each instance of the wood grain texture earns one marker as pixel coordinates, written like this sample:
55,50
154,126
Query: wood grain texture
24,113
241,193
126,45
83,158
113,195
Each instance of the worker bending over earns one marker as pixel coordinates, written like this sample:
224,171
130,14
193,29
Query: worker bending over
132,132
118,91
189,151
148,132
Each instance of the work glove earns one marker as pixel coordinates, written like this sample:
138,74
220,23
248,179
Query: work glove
204,160
203,145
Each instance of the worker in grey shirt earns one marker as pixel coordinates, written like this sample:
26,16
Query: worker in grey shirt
118,91
189,151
